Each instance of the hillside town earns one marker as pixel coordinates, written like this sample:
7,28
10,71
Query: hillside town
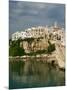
56,33
42,40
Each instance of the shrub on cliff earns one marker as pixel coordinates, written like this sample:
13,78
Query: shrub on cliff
15,49
51,48
41,51
29,40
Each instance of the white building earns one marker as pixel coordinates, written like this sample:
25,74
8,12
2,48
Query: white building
23,34
41,31
57,33
36,32
28,33
16,36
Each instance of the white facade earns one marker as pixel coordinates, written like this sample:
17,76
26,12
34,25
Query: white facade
41,31
57,32
28,33
23,35
15,36
36,32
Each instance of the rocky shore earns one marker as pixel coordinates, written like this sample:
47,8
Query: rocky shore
51,59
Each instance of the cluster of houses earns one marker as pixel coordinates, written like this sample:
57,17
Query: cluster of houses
34,32
54,32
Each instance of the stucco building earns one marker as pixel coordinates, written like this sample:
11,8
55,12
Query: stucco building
36,32
57,33
16,36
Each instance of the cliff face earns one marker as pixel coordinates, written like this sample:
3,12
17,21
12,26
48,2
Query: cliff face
36,44
59,54
42,44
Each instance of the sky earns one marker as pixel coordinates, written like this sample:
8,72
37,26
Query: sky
23,15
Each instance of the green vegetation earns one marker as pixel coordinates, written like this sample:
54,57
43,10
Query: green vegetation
15,49
50,35
28,39
51,48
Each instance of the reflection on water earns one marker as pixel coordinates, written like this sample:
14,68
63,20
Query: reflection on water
34,73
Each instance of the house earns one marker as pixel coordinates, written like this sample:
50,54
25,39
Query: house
16,36
36,32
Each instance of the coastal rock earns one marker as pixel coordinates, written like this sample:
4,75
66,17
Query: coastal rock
37,44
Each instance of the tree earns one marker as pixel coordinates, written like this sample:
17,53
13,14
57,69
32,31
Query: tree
51,48
15,49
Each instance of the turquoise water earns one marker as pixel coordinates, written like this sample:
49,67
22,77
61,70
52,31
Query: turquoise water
32,73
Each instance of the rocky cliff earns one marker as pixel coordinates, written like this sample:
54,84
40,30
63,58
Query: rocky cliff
42,44
34,45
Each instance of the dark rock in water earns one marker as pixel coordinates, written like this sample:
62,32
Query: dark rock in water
62,69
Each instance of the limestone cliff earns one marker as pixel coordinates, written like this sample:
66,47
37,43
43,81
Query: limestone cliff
59,54
34,45
42,44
